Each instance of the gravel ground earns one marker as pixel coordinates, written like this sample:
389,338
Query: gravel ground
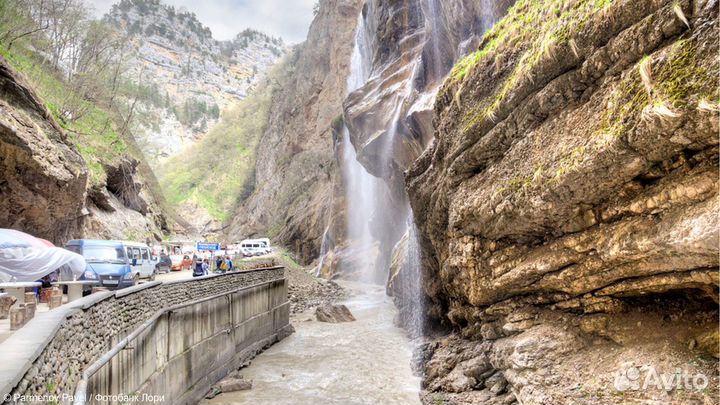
307,291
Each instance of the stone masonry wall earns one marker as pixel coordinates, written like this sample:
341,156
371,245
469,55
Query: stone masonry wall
88,328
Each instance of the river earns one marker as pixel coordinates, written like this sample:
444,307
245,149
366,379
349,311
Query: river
361,362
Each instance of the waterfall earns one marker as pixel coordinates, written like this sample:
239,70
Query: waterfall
377,211
323,251
414,302
361,60
361,188
432,20
489,18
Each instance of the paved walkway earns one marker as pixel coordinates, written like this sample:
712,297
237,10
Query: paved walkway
5,331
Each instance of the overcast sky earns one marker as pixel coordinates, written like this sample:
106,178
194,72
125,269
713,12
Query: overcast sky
289,19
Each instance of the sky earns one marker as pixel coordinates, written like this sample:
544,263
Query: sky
289,19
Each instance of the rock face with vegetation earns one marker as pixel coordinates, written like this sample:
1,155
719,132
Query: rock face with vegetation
42,174
71,167
199,106
295,165
46,188
186,77
568,205
207,181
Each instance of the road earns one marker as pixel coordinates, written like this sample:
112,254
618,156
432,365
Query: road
174,275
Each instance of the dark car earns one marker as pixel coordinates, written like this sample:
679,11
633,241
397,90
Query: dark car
164,264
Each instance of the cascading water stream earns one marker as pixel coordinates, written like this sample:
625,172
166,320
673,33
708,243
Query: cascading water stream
433,23
361,188
367,195
370,200
323,251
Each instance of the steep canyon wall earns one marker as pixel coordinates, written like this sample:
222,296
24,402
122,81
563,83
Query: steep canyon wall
45,181
568,205
295,172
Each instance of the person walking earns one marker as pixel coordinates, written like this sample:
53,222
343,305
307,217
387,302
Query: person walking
205,267
218,263
228,263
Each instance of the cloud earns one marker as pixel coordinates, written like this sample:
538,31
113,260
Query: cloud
289,19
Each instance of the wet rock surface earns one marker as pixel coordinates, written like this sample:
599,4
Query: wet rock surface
333,314
412,44
232,383
568,207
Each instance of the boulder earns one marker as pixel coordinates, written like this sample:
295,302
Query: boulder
232,383
333,314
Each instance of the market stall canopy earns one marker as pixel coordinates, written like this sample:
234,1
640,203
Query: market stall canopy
24,257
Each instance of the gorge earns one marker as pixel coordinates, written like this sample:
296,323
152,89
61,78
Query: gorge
534,184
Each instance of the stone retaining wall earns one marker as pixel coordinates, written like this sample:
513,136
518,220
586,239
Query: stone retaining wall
179,356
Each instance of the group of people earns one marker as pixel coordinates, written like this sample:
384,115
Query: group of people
202,266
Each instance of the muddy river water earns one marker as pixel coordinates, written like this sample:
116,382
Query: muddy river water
361,362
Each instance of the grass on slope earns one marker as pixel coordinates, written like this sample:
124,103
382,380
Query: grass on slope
95,133
219,170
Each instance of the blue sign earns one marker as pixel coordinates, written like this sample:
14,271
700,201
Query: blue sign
207,246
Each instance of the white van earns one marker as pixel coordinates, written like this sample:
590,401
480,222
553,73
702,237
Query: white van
255,247
115,264
141,260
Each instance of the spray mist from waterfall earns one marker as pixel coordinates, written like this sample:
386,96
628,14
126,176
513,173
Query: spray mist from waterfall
383,243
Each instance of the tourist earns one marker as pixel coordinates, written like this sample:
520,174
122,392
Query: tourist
199,269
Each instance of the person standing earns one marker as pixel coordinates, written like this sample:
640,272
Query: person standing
199,270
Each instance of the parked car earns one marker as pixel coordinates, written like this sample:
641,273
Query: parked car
187,262
115,264
164,264
177,262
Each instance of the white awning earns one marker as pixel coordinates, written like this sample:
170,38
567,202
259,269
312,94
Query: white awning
26,258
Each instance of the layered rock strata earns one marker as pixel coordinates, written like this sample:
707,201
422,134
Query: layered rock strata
568,205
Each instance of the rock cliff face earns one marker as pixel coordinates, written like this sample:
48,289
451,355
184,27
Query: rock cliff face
45,188
295,169
189,76
568,205
42,176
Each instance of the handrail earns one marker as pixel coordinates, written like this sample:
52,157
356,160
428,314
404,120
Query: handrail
80,396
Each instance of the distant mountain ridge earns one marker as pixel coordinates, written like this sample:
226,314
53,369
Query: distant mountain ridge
190,77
